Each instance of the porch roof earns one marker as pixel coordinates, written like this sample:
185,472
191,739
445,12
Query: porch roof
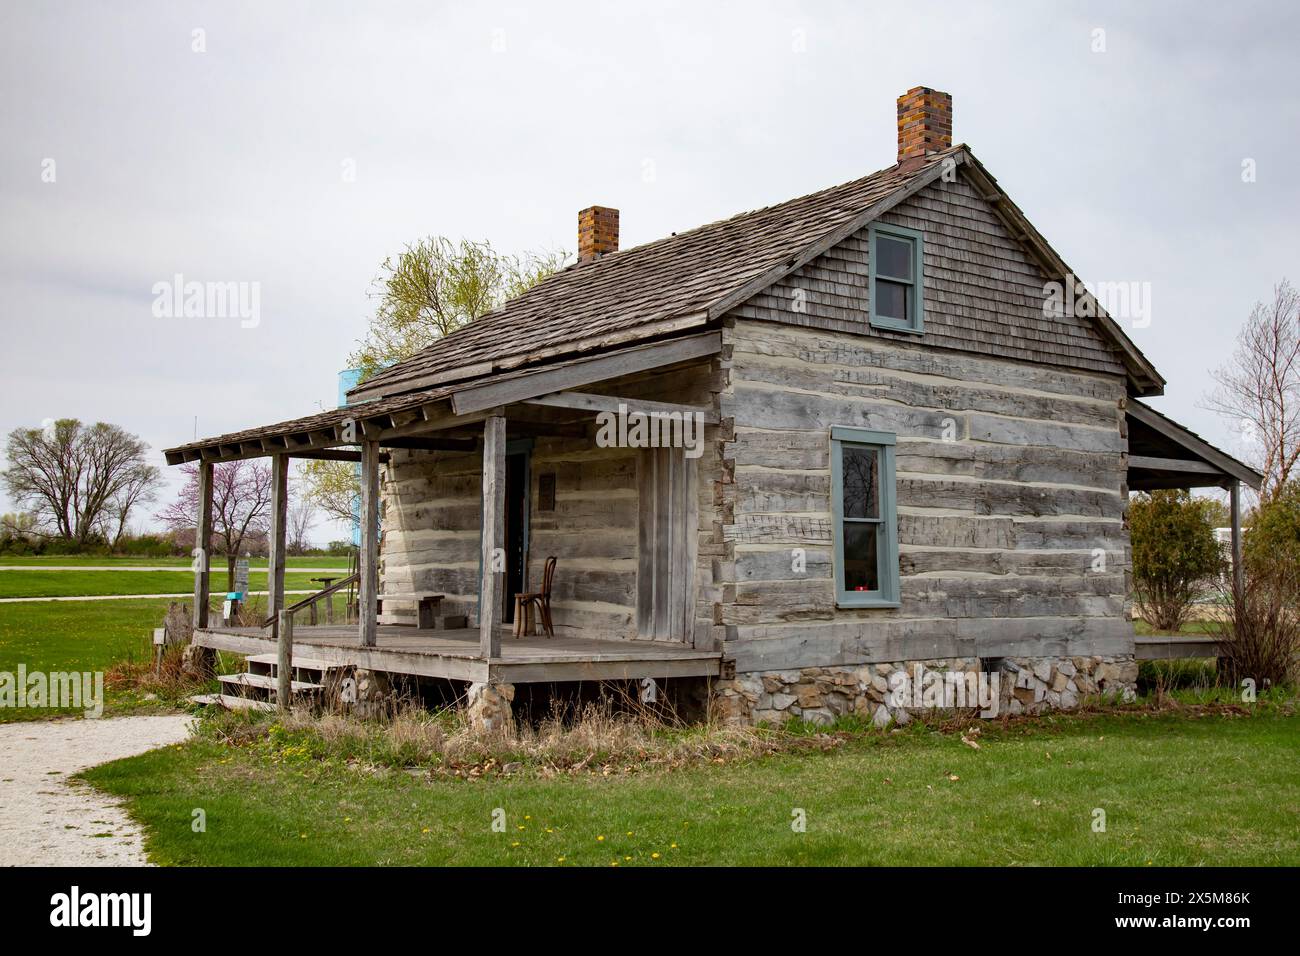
391,421
1165,454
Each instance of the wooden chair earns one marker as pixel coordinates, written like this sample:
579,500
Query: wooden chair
524,604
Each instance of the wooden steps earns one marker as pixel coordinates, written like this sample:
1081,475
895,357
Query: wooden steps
231,702
257,688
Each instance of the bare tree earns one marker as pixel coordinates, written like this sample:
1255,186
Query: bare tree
1259,388
241,499
302,518
139,486
76,478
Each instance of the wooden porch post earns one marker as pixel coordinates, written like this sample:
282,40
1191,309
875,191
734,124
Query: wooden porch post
279,514
284,660
368,589
494,535
1238,570
202,540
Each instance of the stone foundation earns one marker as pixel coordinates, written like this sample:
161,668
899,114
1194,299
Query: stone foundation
898,691
488,705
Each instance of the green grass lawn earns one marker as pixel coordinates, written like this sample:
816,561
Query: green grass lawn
97,561
1191,627
85,636
89,636
80,583
1176,790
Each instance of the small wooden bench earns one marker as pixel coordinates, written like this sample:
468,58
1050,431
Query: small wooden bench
426,603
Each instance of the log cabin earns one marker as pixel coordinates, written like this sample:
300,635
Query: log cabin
779,460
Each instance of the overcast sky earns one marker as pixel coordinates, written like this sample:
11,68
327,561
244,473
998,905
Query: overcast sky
304,142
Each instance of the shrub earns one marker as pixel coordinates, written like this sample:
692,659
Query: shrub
1260,636
1175,554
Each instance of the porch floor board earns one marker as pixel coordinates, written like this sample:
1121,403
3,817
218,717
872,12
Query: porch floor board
454,653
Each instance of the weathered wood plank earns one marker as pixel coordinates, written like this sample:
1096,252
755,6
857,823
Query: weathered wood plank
493,518
368,586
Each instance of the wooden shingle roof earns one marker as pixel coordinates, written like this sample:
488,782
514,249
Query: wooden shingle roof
664,289
654,288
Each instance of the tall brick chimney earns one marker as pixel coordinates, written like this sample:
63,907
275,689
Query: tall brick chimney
924,122
597,232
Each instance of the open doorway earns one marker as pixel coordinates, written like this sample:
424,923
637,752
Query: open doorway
516,525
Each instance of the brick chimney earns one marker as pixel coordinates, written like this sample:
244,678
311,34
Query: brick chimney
597,232
924,122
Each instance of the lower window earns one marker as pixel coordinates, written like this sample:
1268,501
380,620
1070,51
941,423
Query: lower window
865,517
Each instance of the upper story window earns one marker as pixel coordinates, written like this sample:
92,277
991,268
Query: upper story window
897,278
865,518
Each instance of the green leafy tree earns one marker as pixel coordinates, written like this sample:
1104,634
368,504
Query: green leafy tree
435,286
1274,535
1175,554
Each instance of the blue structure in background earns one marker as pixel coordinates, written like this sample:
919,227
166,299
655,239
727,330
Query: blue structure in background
349,378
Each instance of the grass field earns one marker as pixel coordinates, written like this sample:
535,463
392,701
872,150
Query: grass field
82,583
87,636
1028,796
93,561
82,636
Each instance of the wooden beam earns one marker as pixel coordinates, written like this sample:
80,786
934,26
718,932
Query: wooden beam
432,444
202,540
475,398
493,537
284,660
1226,464
368,588
586,401
1172,464
1238,567
279,535
335,454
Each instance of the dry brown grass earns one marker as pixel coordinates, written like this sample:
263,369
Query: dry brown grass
597,739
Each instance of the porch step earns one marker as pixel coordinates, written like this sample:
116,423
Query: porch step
267,682
267,663
231,702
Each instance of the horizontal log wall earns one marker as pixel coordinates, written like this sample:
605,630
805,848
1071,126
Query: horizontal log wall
431,518
1011,502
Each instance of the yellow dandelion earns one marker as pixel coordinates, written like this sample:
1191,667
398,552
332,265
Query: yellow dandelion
549,830
302,836
600,839
519,826
654,856
516,843
627,858
560,860
425,830
673,847
629,832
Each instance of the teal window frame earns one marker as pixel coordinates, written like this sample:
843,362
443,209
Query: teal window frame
887,542
915,322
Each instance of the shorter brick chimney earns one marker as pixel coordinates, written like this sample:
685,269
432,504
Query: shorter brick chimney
924,122
597,232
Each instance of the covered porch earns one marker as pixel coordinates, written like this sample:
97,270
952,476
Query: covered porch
1162,454
482,424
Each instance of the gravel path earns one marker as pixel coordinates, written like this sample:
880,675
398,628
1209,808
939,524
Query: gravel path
46,820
